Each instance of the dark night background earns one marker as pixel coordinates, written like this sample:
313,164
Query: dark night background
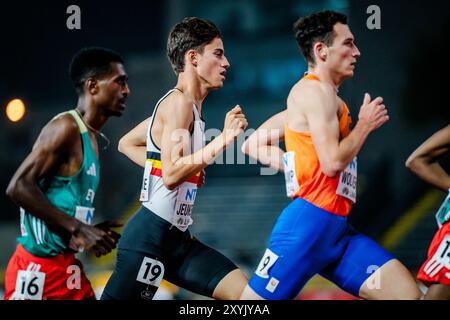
405,62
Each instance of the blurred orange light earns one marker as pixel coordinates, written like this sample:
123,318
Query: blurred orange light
15,110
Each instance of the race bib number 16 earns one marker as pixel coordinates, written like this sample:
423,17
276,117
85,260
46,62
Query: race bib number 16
29,285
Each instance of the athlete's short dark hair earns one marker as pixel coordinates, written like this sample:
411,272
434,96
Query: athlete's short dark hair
191,33
91,62
317,27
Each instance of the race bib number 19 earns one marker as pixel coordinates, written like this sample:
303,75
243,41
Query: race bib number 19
151,272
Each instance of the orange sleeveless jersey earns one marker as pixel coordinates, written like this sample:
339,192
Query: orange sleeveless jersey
314,186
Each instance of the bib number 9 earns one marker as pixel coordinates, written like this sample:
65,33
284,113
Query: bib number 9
267,261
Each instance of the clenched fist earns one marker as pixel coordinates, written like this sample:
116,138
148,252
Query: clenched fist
235,122
373,113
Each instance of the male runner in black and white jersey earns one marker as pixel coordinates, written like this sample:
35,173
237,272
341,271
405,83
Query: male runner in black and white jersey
156,242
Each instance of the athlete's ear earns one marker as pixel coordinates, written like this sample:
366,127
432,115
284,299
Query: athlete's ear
192,56
91,86
320,51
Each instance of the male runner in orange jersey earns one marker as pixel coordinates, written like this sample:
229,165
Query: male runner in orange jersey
435,272
313,235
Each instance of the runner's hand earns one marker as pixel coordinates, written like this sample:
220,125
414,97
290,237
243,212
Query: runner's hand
99,239
235,122
373,112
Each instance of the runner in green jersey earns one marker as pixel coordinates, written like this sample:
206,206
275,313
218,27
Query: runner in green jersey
56,184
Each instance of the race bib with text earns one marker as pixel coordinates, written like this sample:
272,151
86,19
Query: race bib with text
347,181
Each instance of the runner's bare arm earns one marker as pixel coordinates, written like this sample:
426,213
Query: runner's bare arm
424,160
177,164
262,144
52,145
321,113
134,143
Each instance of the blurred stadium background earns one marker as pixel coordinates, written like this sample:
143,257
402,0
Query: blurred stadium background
405,62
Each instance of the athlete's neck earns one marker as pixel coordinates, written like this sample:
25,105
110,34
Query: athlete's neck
192,88
92,116
325,76
93,119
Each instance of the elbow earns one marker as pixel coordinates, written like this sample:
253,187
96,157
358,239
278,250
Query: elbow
245,147
332,169
121,146
11,190
415,164
251,148
330,172
411,163
169,182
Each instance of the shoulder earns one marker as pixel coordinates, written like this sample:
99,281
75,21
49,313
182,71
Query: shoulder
341,102
177,107
312,94
61,131
441,138
446,132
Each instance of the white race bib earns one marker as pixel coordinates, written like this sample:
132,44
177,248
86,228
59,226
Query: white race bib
443,214
267,261
289,173
23,229
347,181
151,272
29,284
84,214
146,181
183,207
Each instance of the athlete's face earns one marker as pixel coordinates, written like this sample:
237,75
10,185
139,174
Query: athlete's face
212,64
112,90
343,53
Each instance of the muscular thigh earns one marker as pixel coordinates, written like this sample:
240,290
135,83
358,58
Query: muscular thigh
198,268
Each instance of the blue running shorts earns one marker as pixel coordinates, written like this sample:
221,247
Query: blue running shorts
308,240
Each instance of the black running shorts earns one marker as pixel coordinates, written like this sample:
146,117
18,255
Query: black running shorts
151,249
